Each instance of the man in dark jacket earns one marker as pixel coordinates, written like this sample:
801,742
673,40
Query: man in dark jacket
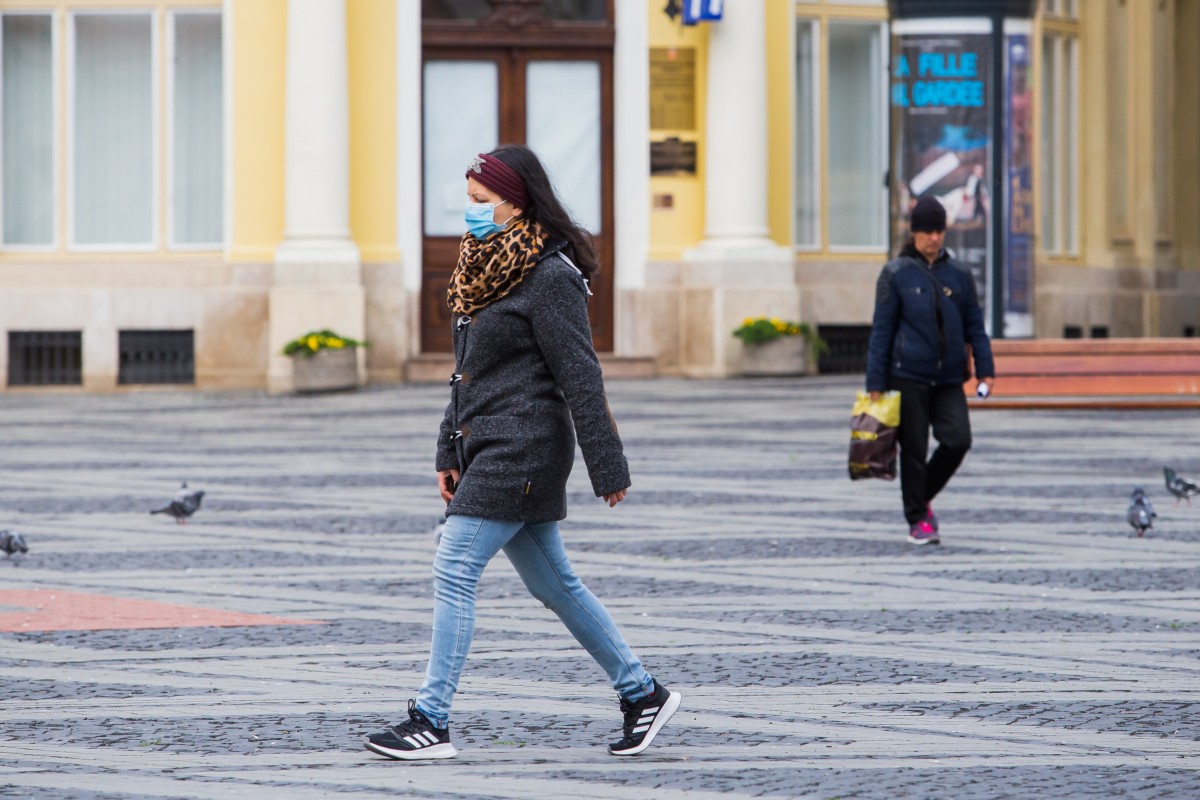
926,313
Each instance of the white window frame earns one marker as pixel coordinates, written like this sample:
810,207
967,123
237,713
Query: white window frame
56,123
172,244
884,110
155,139
816,135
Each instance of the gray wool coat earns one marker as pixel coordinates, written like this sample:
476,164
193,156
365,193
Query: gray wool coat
526,382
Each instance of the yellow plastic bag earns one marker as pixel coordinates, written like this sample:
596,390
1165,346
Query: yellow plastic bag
873,444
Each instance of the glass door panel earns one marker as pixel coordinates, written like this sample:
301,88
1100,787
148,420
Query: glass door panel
454,132
562,105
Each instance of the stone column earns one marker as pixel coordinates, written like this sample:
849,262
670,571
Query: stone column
317,275
735,158
737,271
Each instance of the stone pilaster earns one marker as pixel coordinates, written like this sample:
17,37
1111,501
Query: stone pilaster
317,280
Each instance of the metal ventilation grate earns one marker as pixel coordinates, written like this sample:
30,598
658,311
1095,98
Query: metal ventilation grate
45,358
156,357
847,349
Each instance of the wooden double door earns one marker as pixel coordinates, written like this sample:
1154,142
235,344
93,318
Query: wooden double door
558,100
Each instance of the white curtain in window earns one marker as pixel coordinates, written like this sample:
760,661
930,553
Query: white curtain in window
28,130
113,129
461,119
807,192
857,196
562,106
197,162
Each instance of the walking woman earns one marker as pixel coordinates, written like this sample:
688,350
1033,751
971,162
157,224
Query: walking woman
526,383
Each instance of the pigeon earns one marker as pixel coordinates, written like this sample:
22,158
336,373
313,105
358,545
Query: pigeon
1141,513
12,542
1181,487
183,506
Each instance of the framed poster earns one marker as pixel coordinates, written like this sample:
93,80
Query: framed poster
942,118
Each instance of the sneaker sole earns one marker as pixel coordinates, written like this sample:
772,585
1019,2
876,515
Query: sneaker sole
934,540
668,710
436,751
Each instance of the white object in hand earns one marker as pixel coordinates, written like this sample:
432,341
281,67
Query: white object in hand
983,390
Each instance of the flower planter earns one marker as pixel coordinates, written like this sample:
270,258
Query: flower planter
782,357
325,371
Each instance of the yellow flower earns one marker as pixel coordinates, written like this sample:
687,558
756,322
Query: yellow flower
336,344
748,321
313,343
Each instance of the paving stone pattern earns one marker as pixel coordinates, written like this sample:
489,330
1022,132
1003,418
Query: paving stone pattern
1041,651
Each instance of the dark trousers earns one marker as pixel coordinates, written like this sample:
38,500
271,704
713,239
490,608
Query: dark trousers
944,408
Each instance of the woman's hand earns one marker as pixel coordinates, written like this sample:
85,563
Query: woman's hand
448,482
616,497
875,396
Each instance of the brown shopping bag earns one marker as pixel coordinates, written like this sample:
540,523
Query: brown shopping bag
873,444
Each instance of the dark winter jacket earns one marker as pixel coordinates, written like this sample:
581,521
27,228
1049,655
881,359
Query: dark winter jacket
524,369
914,337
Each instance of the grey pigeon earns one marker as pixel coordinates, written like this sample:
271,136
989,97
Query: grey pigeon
12,542
183,506
1141,513
1181,487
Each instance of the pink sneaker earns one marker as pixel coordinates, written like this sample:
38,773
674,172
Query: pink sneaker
923,533
931,518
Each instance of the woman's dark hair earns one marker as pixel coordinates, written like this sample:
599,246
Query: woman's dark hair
545,207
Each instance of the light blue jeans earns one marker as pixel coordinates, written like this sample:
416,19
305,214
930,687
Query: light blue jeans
536,552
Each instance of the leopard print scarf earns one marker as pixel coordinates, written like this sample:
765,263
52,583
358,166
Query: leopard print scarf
490,269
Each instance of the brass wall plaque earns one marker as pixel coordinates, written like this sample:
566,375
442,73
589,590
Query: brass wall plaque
672,157
673,88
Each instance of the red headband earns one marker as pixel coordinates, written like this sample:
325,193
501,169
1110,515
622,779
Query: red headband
500,178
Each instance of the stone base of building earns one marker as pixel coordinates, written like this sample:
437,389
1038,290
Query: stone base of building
680,323
1075,300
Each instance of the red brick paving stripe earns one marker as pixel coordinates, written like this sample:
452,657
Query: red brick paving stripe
57,610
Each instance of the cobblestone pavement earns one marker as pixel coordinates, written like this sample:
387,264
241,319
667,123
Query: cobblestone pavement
1040,652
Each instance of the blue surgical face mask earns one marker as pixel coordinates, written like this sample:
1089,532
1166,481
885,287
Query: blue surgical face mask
481,219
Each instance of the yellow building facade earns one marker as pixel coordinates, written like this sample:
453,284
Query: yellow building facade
186,186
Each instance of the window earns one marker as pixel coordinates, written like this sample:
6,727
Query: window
808,189
565,10
1058,168
857,131
27,130
1062,8
840,70
197,128
112,130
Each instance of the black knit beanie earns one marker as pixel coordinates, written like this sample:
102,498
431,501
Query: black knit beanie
928,215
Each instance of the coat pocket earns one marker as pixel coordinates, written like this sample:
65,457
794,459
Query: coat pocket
496,446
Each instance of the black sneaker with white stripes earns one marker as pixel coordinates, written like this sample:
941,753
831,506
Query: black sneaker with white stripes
414,740
644,719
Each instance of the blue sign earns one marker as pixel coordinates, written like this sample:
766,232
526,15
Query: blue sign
702,11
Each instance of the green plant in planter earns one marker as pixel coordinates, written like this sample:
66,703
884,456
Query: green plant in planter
757,330
314,341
